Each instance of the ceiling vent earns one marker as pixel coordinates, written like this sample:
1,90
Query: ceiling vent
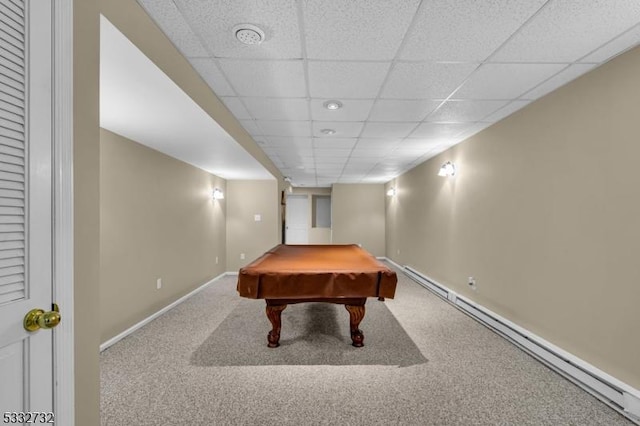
248,34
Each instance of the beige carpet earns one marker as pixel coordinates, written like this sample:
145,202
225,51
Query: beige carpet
312,334
206,363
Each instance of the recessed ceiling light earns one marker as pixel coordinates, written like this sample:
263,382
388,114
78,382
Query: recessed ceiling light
328,132
332,105
248,34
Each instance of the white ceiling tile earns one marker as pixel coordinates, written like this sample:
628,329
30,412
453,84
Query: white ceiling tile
277,108
377,142
565,31
285,128
302,177
251,127
437,130
344,129
366,157
293,158
352,110
406,155
456,111
212,75
328,170
336,153
397,110
236,107
464,30
505,81
360,167
285,142
626,41
343,80
214,20
423,145
374,147
362,161
387,130
360,29
506,110
390,166
330,163
334,143
283,79
563,77
294,150
351,178
173,24
411,80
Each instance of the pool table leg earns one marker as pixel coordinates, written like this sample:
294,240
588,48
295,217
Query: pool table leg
274,313
356,313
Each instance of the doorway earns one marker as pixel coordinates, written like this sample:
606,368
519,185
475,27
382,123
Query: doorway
297,220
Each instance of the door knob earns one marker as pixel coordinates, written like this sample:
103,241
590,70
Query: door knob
38,318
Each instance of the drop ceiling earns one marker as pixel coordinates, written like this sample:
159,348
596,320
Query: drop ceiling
414,77
140,102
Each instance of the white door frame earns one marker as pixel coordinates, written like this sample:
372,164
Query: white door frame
63,336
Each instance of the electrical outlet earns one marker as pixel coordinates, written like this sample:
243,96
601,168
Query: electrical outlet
159,283
241,256
216,260
472,283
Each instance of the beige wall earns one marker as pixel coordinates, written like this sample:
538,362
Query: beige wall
358,216
245,235
545,214
158,220
316,235
86,167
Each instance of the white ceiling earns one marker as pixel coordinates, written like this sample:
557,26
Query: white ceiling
138,101
415,77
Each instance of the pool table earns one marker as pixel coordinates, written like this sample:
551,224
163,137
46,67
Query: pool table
342,274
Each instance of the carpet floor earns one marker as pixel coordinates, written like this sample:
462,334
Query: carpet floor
205,362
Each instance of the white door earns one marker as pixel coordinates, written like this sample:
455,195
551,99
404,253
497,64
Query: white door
297,220
26,358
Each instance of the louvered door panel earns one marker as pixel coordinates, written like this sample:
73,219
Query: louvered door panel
12,151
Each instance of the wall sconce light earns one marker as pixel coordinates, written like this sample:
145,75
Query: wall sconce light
447,169
287,179
391,192
218,194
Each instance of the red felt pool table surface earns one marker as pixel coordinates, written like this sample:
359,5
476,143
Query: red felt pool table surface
343,274
316,271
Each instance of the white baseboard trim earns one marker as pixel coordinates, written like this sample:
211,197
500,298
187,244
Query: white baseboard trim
150,318
613,392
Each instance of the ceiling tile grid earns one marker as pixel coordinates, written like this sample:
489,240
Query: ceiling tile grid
357,29
412,77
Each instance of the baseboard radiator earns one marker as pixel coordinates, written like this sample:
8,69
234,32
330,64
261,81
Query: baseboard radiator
618,395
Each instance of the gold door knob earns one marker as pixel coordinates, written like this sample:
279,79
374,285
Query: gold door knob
38,318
